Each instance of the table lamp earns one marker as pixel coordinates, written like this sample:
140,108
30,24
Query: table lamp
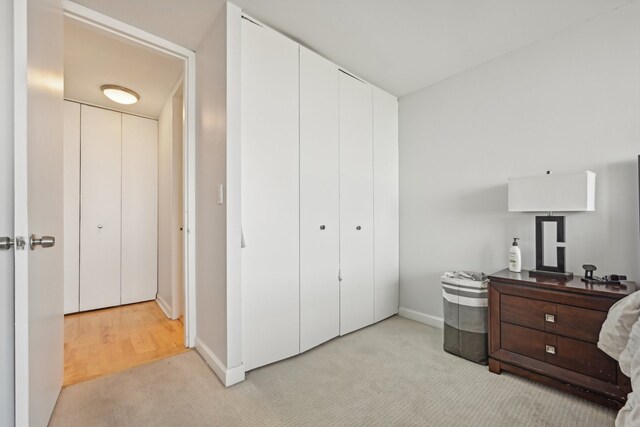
574,192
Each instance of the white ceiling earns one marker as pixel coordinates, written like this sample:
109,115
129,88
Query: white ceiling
93,58
399,45
405,45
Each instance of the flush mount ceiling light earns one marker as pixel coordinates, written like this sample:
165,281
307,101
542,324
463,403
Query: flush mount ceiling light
120,94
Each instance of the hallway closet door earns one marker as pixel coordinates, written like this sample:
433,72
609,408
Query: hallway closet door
100,208
356,204
270,196
319,200
139,209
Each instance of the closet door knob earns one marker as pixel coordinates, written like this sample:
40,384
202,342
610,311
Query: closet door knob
358,228
100,226
44,241
322,227
6,243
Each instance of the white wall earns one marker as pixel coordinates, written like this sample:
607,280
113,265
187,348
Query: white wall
71,180
217,225
6,215
570,102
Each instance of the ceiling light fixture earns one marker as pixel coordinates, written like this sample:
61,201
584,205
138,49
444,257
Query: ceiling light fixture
120,94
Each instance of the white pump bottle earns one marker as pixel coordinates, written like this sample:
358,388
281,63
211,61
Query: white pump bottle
515,257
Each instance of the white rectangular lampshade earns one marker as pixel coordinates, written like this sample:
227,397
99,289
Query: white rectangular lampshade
574,192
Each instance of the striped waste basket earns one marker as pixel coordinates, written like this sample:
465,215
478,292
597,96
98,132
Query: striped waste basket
465,299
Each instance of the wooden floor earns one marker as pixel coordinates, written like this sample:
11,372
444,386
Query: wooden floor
101,342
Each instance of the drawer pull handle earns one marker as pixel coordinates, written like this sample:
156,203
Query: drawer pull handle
550,349
550,318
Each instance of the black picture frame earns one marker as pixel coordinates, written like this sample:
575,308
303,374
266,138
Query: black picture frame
560,238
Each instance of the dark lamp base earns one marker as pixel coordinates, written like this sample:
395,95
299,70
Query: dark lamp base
557,274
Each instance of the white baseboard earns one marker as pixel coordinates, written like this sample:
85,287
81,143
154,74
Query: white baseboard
228,377
427,319
235,375
166,309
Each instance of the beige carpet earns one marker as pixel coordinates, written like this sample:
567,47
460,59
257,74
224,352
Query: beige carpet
392,373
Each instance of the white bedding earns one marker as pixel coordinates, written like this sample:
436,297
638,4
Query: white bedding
620,339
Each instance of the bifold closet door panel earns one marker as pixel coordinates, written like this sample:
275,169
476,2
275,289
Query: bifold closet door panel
270,196
386,204
319,200
100,225
139,209
356,204
71,239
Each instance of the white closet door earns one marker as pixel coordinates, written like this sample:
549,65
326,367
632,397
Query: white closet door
71,207
386,202
270,197
139,209
356,204
319,200
100,208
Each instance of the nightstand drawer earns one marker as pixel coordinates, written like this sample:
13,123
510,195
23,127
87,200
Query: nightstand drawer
574,322
583,357
575,355
524,341
525,311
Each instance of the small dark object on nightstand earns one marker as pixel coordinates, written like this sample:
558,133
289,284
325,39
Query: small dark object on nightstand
612,279
588,271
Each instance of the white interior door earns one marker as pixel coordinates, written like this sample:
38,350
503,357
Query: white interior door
356,204
386,204
139,209
38,209
100,226
6,214
71,207
270,196
319,200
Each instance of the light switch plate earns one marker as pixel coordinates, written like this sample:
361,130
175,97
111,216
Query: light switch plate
220,194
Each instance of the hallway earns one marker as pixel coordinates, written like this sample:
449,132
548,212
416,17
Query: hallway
101,342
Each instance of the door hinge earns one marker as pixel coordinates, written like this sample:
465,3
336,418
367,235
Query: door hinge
339,276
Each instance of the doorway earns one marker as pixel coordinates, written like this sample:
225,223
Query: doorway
126,243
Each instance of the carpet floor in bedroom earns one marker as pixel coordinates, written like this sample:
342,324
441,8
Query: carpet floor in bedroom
391,373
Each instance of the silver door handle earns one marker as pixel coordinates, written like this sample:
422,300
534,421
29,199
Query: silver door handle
44,241
6,243
100,226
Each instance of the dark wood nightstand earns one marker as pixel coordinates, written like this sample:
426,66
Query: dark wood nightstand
546,329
